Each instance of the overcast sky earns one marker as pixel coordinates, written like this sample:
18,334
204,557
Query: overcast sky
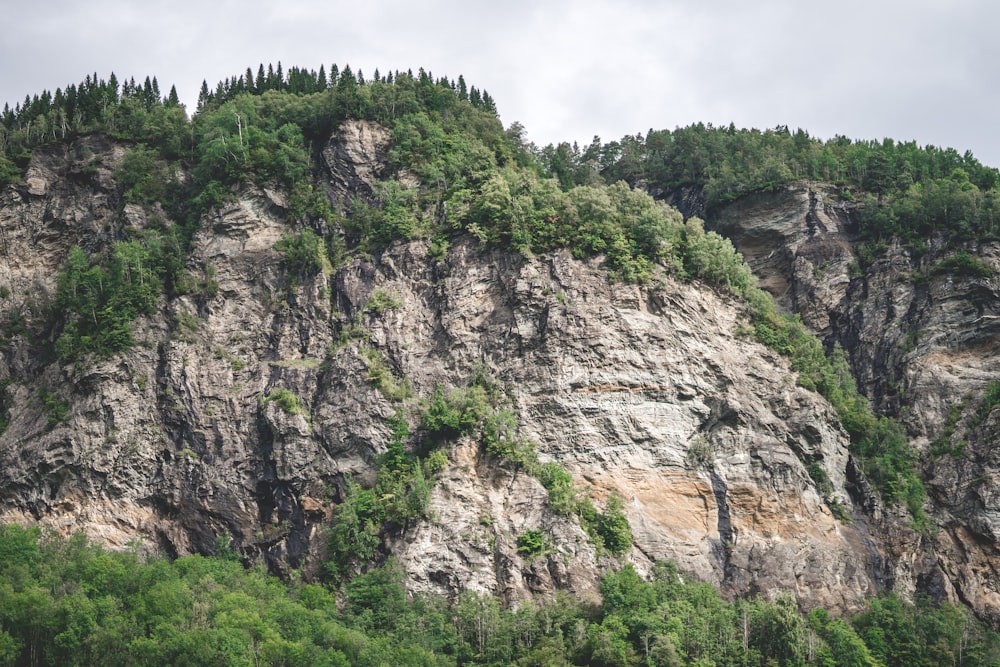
567,70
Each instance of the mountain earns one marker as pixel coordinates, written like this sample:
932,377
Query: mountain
330,324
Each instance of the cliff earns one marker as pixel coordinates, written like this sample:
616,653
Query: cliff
920,328
656,393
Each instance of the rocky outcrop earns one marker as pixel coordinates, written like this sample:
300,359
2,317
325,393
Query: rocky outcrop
922,344
654,393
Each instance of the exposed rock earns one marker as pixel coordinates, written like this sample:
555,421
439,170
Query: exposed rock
923,346
355,159
649,392
798,242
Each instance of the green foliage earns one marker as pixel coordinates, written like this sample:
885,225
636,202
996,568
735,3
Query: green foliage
907,191
879,443
708,256
963,264
9,173
926,633
55,405
65,601
502,441
613,526
382,301
356,525
382,378
143,177
286,400
531,543
563,496
304,254
98,298
457,413
401,494
608,530
991,399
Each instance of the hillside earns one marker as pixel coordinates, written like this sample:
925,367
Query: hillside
341,327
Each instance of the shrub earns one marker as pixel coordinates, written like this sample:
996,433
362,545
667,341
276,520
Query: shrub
531,543
613,526
56,406
457,413
382,301
382,378
286,400
304,254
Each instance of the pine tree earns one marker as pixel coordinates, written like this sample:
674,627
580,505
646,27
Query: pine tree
260,82
113,87
347,79
203,96
488,103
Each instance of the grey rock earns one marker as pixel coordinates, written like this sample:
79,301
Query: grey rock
648,392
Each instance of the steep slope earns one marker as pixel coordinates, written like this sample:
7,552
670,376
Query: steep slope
921,333
655,393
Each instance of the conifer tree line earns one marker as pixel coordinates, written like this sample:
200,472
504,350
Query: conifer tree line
301,81
140,111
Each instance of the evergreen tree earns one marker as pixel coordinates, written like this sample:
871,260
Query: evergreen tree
203,96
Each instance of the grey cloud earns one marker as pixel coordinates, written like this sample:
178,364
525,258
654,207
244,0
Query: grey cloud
569,70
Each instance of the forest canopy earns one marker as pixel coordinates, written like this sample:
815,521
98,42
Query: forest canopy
67,601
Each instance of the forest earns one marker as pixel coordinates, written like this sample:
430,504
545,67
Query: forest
66,601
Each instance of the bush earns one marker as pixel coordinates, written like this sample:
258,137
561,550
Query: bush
382,301
531,543
457,413
613,526
304,254
382,378
286,400
55,405
964,264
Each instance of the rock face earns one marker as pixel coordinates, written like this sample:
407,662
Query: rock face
923,344
654,393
